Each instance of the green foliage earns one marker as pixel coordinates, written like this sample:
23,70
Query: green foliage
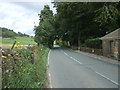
79,21
26,54
93,43
58,42
21,34
23,40
108,13
44,32
7,33
25,74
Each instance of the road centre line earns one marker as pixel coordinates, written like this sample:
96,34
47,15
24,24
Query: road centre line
65,53
72,58
107,78
95,71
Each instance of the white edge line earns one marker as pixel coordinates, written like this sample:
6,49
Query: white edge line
49,56
50,80
49,70
107,78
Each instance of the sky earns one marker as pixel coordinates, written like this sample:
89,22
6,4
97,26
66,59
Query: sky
20,16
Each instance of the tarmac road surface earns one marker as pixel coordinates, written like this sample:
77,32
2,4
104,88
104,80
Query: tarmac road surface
69,69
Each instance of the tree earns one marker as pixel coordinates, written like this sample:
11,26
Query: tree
75,22
107,16
44,32
78,21
7,33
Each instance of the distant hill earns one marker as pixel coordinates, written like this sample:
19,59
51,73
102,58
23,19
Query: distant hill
8,33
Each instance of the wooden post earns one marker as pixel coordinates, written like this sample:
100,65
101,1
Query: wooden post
32,57
13,45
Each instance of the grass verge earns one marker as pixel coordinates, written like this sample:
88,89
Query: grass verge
23,73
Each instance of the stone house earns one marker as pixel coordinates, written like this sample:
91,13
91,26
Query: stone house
111,44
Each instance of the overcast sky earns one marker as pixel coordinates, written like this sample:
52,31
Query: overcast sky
20,16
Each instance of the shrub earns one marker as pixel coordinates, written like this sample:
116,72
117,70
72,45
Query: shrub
93,43
26,53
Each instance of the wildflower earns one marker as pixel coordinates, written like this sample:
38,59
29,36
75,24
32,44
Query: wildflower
4,57
9,54
17,54
9,60
39,83
24,70
16,46
7,71
5,86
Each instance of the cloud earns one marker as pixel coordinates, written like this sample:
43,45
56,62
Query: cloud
20,16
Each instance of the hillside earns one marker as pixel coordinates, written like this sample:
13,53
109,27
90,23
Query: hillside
8,33
8,37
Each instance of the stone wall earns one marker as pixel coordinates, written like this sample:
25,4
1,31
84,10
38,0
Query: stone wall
116,49
92,50
111,48
119,49
106,48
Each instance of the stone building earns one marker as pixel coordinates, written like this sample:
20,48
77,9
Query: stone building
111,44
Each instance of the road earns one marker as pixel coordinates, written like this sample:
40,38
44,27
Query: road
69,69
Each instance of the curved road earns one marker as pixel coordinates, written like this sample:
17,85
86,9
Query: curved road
69,69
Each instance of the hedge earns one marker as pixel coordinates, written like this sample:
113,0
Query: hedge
94,43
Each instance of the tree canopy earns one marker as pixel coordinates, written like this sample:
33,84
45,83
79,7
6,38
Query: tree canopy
77,21
45,31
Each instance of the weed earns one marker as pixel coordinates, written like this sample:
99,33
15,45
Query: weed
25,74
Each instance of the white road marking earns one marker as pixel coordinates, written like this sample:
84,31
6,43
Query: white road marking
49,70
48,61
65,53
77,61
48,57
50,80
94,71
107,78
72,58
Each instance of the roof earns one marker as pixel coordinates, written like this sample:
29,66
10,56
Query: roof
113,35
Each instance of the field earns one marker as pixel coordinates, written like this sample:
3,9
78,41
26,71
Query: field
8,42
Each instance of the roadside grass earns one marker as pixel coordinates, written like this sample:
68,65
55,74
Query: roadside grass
22,40
25,74
8,42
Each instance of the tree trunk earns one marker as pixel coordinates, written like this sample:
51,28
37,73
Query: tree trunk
38,44
50,44
79,41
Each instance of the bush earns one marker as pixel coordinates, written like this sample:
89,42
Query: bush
93,43
26,53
